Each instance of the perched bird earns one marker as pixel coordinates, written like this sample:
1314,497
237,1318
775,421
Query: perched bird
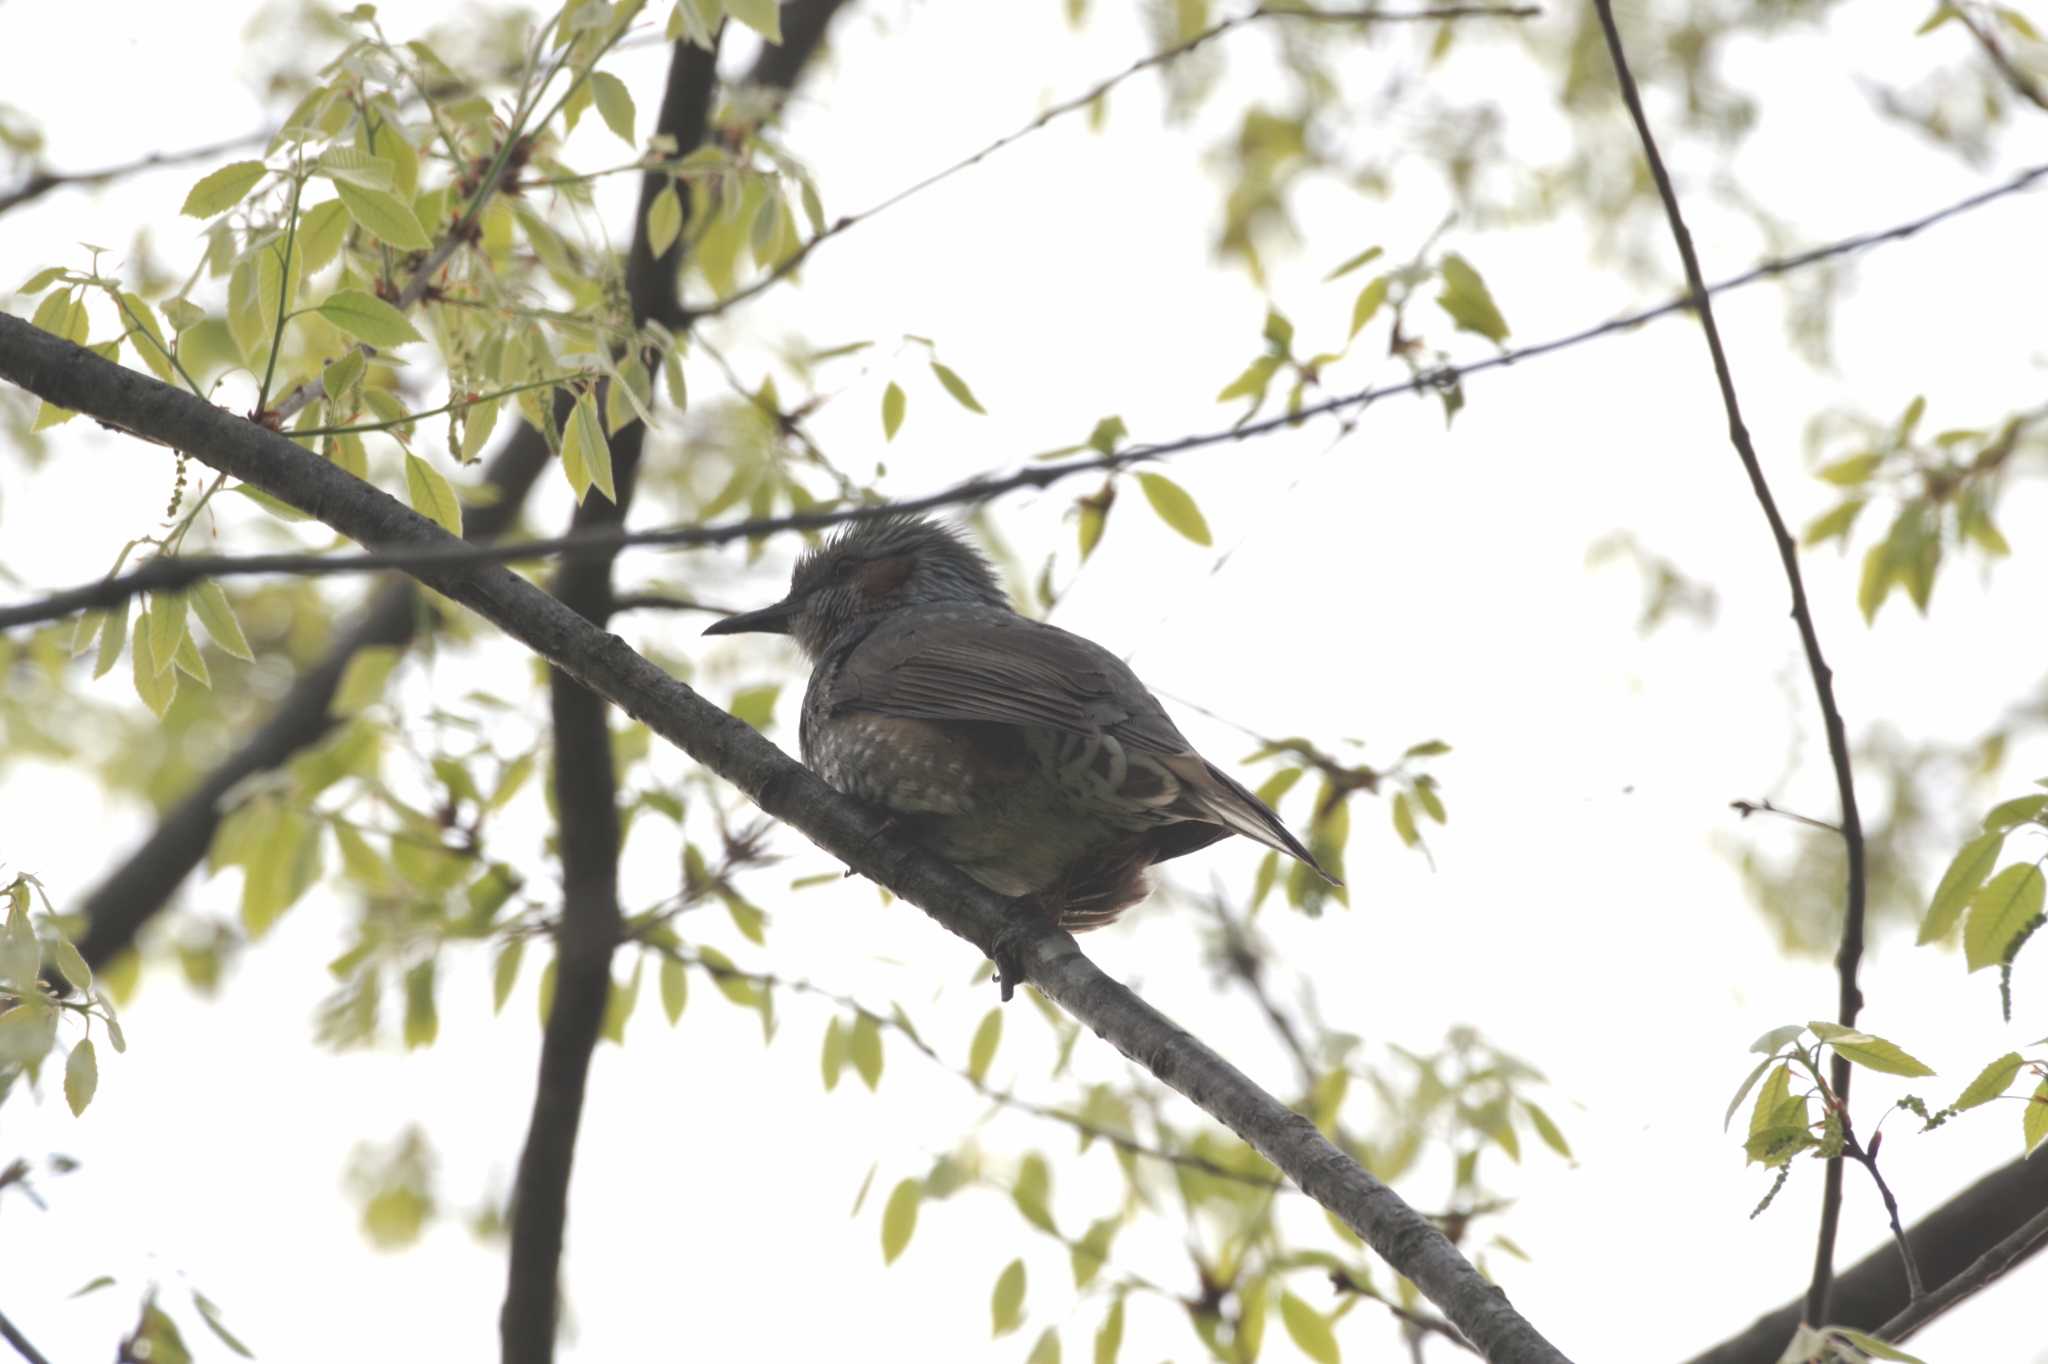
1032,759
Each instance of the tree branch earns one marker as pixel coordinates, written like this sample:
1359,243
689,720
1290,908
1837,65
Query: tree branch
1970,1227
42,182
587,807
166,574
1982,1273
73,377
20,1342
1851,953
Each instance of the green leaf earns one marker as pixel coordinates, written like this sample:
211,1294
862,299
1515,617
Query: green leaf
1309,1329
368,318
1959,883
157,689
983,1050
210,604
1466,299
1873,1053
2010,814
664,221
221,190
614,104
675,988
150,344
505,972
1834,522
362,681
1873,1346
167,627
1033,1192
762,16
899,1218
864,1049
383,215
210,1314
1404,820
1368,303
893,403
1006,1305
1547,1130
1743,1091
1088,1255
431,494
957,386
1175,507
357,167
422,1020
2034,1121
832,1059
1852,470
1991,1082
1047,1350
756,705
1875,582
586,455
81,1076
1109,1337
1365,257
1998,911
113,635
70,964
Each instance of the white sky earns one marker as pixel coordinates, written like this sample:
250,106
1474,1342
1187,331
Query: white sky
1411,583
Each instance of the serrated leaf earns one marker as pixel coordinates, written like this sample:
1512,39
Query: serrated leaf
1965,874
614,104
81,1076
586,455
1175,507
893,404
1873,1053
899,1218
957,386
1466,299
166,627
368,318
157,689
383,215
982,1053
113,635
2010,814
1006,1304
1998,911
210,603
1991,1082
1309,1329
432,495
219,191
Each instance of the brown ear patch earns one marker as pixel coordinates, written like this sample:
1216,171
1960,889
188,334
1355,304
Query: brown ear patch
879,577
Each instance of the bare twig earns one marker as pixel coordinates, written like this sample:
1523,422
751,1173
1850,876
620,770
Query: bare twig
1747,808
166,574
2024,85
1851,953
1867,1158
20,1342
795,261
1422,1321
42,182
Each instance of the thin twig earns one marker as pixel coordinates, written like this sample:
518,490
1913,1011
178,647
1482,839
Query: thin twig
42,182
1867,1158
1427,1322
20,1342
164,574
794,262
1003,1097
1982,1272
1851,953
2023,84
1747,808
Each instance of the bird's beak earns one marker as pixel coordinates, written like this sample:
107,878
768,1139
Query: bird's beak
770,620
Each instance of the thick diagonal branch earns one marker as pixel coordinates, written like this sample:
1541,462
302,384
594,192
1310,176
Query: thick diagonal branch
73,377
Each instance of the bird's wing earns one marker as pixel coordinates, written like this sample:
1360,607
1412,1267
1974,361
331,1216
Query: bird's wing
1006,669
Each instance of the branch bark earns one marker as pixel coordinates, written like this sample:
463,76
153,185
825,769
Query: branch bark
73,377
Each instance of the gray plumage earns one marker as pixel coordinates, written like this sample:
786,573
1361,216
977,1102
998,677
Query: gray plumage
1031,758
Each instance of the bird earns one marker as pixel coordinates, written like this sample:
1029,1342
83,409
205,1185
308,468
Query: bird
1032,759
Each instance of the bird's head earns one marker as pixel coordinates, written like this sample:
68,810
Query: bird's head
869,569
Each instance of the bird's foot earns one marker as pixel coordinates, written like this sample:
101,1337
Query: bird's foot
1008,955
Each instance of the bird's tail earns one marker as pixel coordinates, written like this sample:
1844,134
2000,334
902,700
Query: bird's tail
1222,799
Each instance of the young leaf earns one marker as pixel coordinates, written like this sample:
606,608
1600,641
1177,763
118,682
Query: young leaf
210,604
221,190
899,1218
675,989
893,403
983,1051
81,1076
1865,1050
664,221
1175,507
431,494
1006,1306
957,386
586,456
1365,257
1466,299
383,215
1109,1337
2034,1123
762,16
1998,911
367,318
1309,1329
1960,882
614,104
1991,1082
864,1049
